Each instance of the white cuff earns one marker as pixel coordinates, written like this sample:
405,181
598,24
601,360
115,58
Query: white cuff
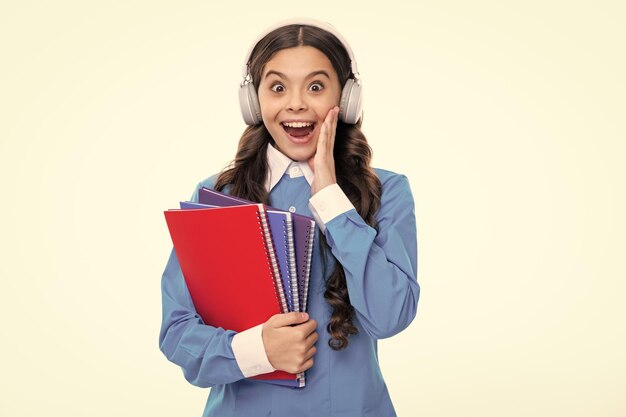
250,352
328,203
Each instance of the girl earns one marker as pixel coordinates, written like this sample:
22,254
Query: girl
305,152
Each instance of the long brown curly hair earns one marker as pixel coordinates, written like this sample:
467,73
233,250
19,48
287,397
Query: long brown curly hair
352,155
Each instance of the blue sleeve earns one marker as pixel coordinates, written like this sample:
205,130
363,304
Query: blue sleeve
380,268
203,352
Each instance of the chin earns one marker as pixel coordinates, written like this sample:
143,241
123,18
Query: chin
299,154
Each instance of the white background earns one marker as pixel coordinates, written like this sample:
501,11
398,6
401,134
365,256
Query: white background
507,117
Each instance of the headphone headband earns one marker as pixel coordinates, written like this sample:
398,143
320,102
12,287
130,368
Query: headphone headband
308,22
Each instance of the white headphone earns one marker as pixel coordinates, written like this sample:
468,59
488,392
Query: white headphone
350,104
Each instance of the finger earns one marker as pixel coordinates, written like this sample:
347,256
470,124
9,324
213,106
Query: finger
306,365
310,353
334,127
328,122
309,327
332,112
287,319
311,339
329,142
323,135
330,139
322,147
303,331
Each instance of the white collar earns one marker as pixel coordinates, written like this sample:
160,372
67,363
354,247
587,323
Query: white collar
280,164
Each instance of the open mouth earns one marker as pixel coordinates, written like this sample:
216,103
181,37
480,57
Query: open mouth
299,132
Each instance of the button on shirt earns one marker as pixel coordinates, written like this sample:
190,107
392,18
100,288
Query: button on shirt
380,268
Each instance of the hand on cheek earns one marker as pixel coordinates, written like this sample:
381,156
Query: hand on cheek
323,162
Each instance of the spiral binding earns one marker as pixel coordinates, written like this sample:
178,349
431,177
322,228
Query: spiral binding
287,268
301,380
293,275
272,263
306,270
293,279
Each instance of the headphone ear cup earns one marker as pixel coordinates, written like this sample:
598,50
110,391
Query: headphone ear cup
351,102
249,104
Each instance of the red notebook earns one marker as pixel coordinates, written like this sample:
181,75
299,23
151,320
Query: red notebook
230,267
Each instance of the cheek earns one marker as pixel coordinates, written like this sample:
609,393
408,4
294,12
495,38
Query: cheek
268,107
330,102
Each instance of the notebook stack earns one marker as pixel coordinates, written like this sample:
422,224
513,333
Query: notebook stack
243,262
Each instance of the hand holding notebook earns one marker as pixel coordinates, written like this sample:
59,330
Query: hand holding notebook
289,341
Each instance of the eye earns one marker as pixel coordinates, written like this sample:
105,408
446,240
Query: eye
316,86
277,88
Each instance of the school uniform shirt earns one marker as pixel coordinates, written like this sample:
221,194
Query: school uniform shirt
381,275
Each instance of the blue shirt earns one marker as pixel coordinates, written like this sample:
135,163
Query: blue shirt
380,268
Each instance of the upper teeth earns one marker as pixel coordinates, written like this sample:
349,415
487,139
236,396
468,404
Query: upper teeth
297,124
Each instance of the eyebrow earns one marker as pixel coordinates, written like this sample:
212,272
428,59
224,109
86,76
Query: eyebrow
281,75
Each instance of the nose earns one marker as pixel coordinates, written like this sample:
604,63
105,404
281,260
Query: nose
296,101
